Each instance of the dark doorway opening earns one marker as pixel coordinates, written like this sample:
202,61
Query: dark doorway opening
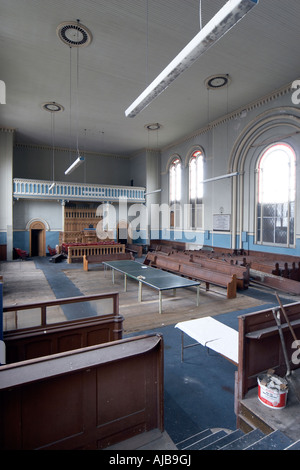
36,236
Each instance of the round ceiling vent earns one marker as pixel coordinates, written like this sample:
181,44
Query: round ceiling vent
215,82
52,107
74,34
153,126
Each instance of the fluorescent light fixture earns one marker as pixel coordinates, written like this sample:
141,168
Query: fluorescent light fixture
220,24
228,175
74,165
152,192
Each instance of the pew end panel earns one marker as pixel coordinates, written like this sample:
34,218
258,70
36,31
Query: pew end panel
260,350
89,398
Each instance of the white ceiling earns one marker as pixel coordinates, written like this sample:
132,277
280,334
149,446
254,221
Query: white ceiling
133,41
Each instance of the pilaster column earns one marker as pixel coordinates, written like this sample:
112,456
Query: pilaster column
6,190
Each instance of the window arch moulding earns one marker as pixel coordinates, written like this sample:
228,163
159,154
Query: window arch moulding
43,221
247,146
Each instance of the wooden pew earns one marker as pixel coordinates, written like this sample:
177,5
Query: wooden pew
226,266
288,286
97,259
135,249
194,271
166,245
241,272
29,343
260,349
210,277
167,264
85,399
295,272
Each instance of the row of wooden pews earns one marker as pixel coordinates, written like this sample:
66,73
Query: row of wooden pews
276,272
210,271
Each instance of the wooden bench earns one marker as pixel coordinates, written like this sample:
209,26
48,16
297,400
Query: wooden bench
97,259
166,245
282,284
276,265
210,277
223,266
295,272
29,343
194,271
260,349
167,264
84,399
215,264
134,248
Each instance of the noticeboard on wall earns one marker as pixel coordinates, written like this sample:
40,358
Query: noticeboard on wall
221,222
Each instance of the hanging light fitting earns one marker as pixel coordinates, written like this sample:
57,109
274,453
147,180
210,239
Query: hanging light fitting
227,17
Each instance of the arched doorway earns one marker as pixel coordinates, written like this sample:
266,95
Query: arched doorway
123,232
37,236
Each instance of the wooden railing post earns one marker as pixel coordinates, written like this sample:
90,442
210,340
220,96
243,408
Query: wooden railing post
43,315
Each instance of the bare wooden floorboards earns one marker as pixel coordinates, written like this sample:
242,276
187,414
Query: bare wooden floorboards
24,283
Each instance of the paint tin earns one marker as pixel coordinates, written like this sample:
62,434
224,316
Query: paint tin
272,397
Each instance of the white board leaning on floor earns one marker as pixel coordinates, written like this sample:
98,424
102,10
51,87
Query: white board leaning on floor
214,335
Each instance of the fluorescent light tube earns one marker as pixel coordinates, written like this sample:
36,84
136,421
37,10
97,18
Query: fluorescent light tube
220,24
152,192
228,175
74,165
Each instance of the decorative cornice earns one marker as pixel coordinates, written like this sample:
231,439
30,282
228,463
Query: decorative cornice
64,149
235,114
7,129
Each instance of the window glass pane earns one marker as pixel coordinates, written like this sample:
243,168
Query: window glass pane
276,195
277,175
196,175
193,185
199,176
178,182
175,180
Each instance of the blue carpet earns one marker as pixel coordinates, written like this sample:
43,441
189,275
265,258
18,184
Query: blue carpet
199,392
62,287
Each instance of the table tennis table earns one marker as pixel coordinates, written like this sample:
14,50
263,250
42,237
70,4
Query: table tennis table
149,276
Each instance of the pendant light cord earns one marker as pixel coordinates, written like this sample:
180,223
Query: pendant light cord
147,43
52,133
200,14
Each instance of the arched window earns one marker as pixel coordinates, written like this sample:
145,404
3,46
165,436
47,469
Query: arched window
175,180
276,191
196,188
175,191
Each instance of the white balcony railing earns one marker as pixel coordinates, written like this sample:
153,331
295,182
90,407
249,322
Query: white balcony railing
38,189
